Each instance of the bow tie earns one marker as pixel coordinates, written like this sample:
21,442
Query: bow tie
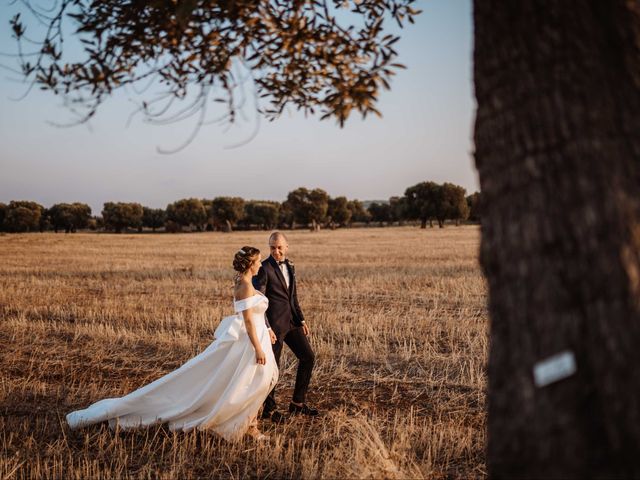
282,262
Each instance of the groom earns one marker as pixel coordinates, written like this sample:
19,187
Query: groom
277,280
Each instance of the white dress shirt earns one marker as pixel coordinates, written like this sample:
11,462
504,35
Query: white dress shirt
285,273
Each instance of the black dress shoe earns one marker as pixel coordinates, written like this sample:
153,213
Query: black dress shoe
273,415
303,410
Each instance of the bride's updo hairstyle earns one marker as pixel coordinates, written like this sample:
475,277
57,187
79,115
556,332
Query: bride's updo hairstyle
244,258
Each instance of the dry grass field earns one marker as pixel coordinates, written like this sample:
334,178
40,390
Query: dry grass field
399,325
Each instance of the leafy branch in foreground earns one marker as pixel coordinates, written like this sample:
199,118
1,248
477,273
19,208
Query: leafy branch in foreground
310,54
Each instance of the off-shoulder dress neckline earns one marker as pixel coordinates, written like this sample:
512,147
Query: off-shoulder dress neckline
250,296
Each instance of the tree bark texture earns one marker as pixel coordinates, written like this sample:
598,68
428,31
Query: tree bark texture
557,139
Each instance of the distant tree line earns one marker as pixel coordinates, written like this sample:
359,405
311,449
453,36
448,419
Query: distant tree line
424,203
427,202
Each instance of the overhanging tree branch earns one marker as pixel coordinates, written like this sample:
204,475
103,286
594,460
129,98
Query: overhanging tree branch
298,52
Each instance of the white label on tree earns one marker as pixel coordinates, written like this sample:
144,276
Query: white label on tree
554,368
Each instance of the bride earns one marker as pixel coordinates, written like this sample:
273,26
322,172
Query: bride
220,389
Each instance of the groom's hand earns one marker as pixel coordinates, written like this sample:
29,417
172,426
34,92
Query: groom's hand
273,337
305,329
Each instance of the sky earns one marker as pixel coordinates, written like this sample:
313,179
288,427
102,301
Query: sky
425,134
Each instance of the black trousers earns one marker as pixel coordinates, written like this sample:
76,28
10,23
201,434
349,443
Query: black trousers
299,345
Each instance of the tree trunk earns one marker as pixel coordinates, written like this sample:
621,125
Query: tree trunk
557,140
431,223
423,223
228,227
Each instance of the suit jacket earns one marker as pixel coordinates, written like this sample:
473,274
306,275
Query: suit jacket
284,311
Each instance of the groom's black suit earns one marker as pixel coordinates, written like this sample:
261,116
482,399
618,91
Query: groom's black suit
285,318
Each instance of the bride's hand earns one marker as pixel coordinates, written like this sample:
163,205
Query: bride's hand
261,358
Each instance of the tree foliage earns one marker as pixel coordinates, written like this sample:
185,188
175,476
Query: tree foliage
261,213
187,212
453,203
475,207
22,216
4,208
427,201
285,216
422,201
380,212
227,211
301,53
358,212
397,209
118,216
303,206
69,217
308,206
153,217
338,211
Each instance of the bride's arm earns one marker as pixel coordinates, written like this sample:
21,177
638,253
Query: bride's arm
243,292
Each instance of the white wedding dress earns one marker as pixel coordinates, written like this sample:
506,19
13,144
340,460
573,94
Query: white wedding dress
220,389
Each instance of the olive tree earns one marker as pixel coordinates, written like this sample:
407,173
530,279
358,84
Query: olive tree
187,212
153,217
23,216
264,214
119,216
308,206
227,211
69,217
338,211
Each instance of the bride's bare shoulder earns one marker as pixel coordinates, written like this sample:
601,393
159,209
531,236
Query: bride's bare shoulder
243,290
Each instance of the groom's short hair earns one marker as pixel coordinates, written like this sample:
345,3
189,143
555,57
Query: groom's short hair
276,235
